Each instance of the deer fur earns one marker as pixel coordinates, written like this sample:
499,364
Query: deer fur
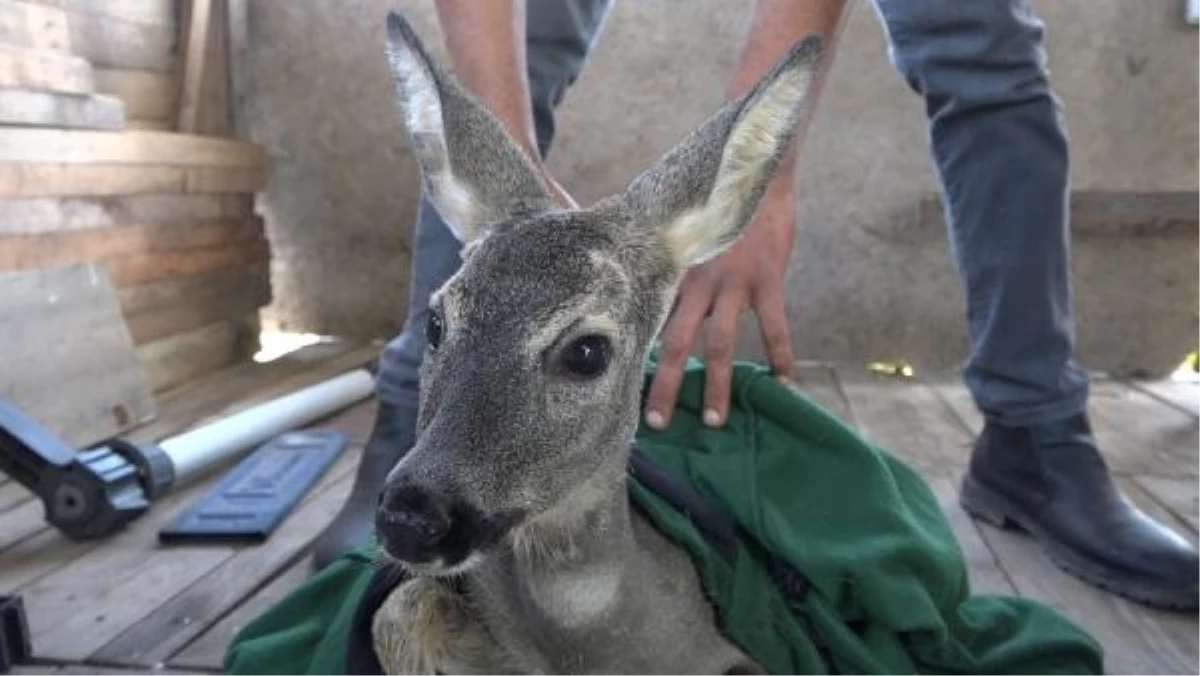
510,511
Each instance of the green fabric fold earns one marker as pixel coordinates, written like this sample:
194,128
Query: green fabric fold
888,589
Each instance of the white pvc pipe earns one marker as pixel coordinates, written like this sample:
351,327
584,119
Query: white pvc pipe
196,449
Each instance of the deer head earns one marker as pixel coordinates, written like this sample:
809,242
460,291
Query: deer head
530,387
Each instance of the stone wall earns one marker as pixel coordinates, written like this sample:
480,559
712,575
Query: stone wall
871,275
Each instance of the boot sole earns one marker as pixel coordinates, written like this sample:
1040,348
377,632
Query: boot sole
992,507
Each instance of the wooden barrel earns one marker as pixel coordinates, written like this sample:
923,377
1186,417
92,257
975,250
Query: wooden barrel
116,147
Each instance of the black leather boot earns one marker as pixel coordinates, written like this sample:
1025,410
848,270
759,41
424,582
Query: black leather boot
1050,481
354,526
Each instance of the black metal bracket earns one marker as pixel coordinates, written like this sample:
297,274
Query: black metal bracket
15,643
87,494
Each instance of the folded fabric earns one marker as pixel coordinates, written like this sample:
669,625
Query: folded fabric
821,552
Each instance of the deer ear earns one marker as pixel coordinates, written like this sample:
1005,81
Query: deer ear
475,174
702,193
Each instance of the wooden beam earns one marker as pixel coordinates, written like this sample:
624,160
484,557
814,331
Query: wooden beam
25,107
25,252
81,180
60,214
68,146
147,95
25,24
195,51
44,71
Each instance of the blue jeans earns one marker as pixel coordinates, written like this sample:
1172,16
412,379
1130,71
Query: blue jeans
999,145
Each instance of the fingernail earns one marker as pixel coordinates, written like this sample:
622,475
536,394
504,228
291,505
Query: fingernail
654,419
712,418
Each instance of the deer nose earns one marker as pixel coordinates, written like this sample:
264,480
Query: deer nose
411,522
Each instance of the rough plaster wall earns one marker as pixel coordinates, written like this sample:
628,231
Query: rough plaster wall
867,278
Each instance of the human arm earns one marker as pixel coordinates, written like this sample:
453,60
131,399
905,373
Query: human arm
750,273
486,43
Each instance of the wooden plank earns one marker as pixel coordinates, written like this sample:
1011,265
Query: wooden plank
67,322
44,71
160,12
20,523
78,180
906,417
36,556
819,383
146,94
174,360
199,312
149,124
110,42
54,214
143,268
1136,434
12,494
199,398
173,625
208,651
25,24
72,146
1177,495
25,252
24,107
1182,395
216,110
173,293
987,577
1141,435
195,50
146,582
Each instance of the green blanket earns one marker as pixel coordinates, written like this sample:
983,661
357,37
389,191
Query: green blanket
840,559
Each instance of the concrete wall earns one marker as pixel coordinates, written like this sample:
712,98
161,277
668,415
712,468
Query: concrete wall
871,276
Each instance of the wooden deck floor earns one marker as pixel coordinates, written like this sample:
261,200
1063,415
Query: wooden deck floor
128,604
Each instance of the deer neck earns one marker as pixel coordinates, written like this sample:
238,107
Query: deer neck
568,569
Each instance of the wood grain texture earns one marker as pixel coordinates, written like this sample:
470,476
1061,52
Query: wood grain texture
34,26
172,625
179,292
158,12
146,267
29,108
83,180
197,312
44,71
175,360
111,42
147,95
198,19
25,252
59,146
906,417
208,651
54,214
69,361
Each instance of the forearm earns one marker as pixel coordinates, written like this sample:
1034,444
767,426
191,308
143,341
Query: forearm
775,27
486,42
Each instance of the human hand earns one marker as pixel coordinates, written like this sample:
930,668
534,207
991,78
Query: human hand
749,273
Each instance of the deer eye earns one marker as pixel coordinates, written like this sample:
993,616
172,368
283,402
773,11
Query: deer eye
433,330
587,357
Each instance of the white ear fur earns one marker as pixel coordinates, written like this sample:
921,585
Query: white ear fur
421,105
753,148
474,173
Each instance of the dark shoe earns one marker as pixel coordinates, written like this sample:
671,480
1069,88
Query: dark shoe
1050,481
354,526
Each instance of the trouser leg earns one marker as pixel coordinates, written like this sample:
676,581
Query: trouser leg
560,34
999,146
